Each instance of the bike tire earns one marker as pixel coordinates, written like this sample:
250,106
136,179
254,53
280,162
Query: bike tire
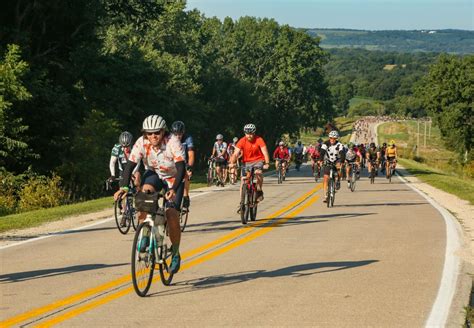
133,214
164,256
143,264
333,194
183,218
329,196
253,208
210,178
118,219
243,205
353,181
372,176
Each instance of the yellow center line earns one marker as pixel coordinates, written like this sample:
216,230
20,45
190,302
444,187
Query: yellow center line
264,230
125,279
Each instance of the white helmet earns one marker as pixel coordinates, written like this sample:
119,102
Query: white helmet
250,128
281,143
125,138
333,134
154,123
219,137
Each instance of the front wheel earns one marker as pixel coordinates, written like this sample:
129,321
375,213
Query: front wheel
183,218
253,207
210,177
143,259
353,181
121,217
244,208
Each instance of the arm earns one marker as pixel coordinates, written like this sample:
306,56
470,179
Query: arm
113,160
235,156
265,154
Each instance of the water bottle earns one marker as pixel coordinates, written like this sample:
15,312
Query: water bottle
159,223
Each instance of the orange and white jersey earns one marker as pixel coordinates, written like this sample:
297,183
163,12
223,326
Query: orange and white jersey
163,160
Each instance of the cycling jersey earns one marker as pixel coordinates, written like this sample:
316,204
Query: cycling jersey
351,155
120,155
299,150
188,145
221,149
251,150
281,153
391,152
313,152
332,153
372,154
163,160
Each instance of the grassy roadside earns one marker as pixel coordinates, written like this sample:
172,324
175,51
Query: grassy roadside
38,217
434,164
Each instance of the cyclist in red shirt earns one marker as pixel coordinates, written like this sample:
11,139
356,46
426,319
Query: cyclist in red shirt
254,155
281,155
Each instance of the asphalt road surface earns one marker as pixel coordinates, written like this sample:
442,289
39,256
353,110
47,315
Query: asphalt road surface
374,259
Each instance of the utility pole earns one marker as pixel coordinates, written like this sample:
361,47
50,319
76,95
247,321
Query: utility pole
418,138
424,136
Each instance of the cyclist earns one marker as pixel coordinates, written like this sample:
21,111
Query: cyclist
391,156
332,151
163,157
299,152
219,153
373,157
281,157
254,155
314,154
233,169
363,152
353,155
382,157
178,129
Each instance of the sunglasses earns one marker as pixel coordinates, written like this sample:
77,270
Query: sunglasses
156,133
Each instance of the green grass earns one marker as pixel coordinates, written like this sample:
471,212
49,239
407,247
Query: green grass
462,188
358,100
38,217
344,124
434,164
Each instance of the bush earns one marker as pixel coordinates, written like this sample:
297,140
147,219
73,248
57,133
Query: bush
41,192
10,186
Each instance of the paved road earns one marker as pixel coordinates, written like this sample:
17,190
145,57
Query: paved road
375,259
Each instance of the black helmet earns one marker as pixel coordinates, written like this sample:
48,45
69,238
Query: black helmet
372,145
299,143
177,127
125,138
320,140
385,144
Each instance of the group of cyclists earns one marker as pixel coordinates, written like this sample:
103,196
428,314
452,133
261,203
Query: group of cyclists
168,159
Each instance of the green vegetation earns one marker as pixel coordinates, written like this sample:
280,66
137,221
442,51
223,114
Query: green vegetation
342,124
75,74
450,41
434,164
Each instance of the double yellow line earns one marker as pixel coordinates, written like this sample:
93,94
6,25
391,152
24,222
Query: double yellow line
250,230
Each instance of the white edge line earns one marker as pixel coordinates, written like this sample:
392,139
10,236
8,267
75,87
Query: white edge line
440,311
52,234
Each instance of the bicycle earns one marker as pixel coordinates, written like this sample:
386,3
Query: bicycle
183,216
234,174
331,189
280,175
151,245
391,170
372,171
248,198
316,171
211,171
353,179
125,217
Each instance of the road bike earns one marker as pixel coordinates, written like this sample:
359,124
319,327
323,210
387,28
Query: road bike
298,160
280,172
183,216
391,169
125,213
331,189
248,198
151,246
316,171
372,172
211,171
353,176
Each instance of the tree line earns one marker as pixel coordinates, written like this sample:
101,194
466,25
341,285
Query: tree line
73,74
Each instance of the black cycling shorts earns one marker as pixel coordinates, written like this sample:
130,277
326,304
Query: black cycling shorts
151,177
222,162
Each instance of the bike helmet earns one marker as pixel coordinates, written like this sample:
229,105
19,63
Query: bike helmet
372,145
125,138
392,142
299,143
219,137
281,143
235,139
177,127
320,140
350,145
250,128
384,144
334,134
154,123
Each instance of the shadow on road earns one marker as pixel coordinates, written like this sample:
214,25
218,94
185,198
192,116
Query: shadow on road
295,271
316,218
46,273
381,204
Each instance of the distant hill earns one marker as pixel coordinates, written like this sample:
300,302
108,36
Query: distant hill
451,41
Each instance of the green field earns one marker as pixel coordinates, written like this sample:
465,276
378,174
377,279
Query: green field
343,124
432,163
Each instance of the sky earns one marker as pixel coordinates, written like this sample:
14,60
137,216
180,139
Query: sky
354,14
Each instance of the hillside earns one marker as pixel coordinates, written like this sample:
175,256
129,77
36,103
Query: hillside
451,41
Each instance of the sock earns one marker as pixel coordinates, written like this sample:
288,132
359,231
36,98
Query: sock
175,249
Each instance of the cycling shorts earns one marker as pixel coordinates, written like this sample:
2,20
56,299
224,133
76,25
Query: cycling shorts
222,162
150,177
258,165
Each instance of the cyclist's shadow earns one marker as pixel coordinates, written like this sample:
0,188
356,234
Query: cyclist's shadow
295,271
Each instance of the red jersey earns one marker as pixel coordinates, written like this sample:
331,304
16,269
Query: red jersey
281,153
251,150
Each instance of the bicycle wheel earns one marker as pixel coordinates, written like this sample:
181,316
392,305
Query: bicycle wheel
164,259
279,175
143,263
372,176
253,206
244,206
353,180
333,193
121,216
390,172
210,177
183,218
133,214
329,193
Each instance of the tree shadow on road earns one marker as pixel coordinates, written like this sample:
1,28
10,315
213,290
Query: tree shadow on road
315,218
295,271
47,273
383,204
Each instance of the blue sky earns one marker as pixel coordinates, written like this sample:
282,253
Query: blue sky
357,14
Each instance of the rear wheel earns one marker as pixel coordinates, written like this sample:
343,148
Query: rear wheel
372,175
243,205
121,216
143,263
253,206
183,218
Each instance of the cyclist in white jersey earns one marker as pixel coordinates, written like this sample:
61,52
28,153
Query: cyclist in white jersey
219,153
